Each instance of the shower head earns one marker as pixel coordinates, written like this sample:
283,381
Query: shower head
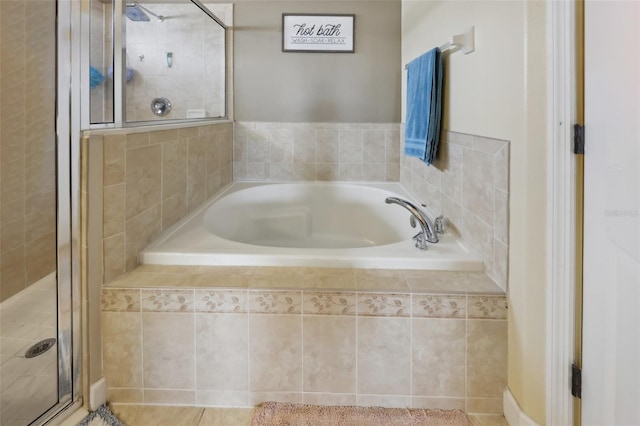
136,13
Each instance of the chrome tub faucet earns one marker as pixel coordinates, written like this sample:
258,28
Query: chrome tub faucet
429,233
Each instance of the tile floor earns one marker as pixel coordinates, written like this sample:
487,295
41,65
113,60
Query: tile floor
28,386
147,415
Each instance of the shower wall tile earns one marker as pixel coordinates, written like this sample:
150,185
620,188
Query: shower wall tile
316,151
27,144
469,184
153,179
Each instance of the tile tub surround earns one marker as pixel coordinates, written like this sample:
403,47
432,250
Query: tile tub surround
188,336
469,185
316,151
153,179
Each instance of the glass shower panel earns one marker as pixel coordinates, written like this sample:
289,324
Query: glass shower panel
101,61
28,212
175,61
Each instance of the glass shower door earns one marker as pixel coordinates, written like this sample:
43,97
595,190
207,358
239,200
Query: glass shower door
34,288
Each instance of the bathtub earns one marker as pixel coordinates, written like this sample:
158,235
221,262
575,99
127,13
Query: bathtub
309,224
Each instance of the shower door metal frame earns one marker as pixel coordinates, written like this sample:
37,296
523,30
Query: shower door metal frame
68,213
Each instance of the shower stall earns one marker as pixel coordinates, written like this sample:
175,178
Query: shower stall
39,280
150,62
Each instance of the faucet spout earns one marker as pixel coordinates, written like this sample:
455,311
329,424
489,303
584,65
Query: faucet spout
428,229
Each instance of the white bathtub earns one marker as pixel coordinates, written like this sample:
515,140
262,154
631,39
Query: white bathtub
306,224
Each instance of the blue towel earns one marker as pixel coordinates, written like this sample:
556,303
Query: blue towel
424,106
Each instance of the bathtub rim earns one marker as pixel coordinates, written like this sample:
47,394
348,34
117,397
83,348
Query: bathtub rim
378,257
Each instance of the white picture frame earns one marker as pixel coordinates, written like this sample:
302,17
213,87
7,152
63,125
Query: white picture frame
318,33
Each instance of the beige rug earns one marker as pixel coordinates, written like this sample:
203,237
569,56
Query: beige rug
285,414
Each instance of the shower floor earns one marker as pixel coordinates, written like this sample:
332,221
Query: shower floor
28,386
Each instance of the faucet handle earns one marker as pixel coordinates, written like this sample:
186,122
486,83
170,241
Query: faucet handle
440,224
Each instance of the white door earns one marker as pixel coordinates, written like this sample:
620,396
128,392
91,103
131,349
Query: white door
611,345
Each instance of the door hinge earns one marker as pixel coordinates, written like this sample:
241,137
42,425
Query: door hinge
576,381
578,139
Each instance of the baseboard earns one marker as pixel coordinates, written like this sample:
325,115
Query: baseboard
97,394
513,413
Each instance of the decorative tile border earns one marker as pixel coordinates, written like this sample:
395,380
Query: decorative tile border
275,302
384,305
167,300
120,300
439,306
323,303
487,307
304,302
221,301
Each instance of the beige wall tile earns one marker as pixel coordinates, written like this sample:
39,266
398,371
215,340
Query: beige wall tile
256,398
275,353
438,357
140,231
450,163
387,401
174,208
137,140
125,395
114,257
486,358
222,352
329,398
222,398
329,354
12,235
169,397
174,168
143,179
163,136
40,257
168,350
438,403
114,158
384,356
479,236
114,210
122,349
478,190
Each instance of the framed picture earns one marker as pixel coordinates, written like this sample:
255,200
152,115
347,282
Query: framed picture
318,33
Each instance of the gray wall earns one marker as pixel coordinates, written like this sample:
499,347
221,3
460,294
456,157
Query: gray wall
360,87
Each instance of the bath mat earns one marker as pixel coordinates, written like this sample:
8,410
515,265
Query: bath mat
101,417
281,414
